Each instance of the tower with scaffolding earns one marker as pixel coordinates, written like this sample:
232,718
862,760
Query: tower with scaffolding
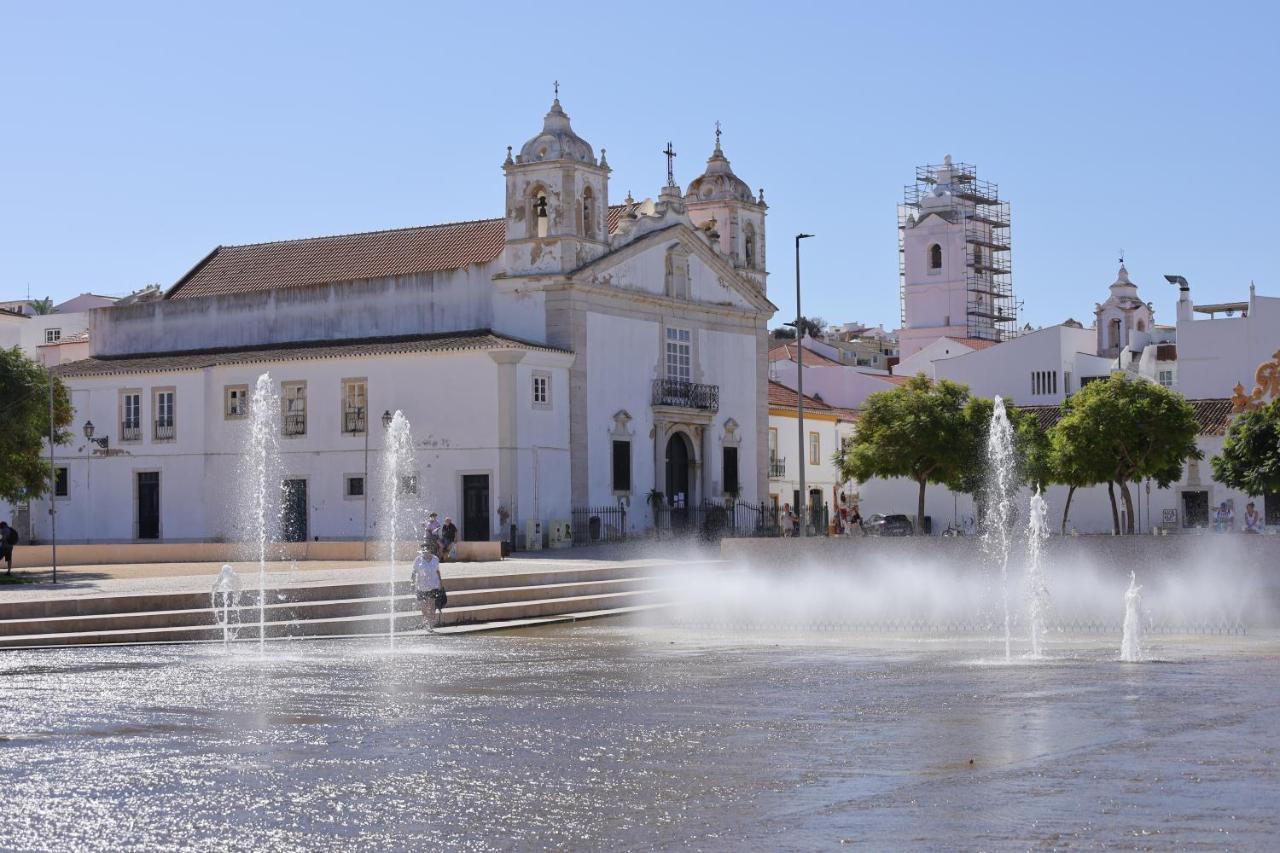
953,258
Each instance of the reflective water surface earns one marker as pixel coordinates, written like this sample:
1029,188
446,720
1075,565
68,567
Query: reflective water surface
608,735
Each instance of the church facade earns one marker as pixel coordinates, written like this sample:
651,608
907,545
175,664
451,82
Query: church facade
570,353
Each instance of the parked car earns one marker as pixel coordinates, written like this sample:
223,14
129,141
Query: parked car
888,525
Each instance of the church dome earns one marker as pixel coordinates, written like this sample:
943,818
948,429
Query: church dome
718,182
557,141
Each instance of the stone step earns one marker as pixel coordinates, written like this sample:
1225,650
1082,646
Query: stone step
367,587
346,624
294,611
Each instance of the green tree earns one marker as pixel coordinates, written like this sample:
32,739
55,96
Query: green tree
24,424
917,430
1250,458
1120,431
814,327
42,306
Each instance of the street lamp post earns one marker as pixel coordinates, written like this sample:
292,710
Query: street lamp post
804,498
53,489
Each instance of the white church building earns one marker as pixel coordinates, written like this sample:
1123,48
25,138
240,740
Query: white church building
569,353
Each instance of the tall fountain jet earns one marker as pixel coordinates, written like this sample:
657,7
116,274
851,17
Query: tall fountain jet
1001,486
398,469
1131,643
262,472
1037,589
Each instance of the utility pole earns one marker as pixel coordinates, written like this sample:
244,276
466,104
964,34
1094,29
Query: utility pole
803,509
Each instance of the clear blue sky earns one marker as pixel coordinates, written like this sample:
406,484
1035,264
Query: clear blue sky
136,137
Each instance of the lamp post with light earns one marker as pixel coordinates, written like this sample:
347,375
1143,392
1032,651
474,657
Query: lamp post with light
364,485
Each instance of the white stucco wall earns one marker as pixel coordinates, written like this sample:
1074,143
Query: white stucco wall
1215,354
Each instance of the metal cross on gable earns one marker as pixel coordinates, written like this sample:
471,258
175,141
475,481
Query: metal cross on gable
556,84
671,164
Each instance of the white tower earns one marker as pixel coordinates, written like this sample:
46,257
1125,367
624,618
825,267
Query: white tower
557,201
722,201
953,240
1122,318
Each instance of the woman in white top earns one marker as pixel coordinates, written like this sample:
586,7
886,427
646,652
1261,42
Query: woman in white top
428,587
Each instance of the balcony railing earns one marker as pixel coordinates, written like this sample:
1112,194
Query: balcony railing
353,421
777,469
164,430
686,395
130,431
295,424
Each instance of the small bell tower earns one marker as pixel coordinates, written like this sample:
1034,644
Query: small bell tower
557,200
722,201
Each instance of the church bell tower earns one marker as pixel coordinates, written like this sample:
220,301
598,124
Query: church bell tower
557,201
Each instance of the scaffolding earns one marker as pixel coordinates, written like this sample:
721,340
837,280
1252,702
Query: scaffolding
991,312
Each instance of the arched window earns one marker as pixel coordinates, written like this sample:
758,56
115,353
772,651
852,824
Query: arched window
1142,326
588,212
935,257
749,245
539,215
1115,332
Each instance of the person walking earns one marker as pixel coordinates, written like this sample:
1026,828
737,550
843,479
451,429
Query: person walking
788,521
8,538
855,520
448,536
428,587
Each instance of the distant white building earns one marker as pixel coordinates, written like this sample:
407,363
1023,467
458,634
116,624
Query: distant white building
569,354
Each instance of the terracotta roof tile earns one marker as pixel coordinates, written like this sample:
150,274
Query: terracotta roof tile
782,397
167,362
787,352
347,257
1212,416
974,343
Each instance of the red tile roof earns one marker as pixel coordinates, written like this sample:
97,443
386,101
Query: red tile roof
787,352
974,343
347,257
780,396
1213,416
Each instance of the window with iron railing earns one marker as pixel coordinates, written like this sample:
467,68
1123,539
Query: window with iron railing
687,395
353,421
355,406
164,408
131,416
777,468
295,407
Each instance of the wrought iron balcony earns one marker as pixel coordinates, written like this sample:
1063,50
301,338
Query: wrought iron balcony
165,430
777,468
130,431
686,395
295,424
353,421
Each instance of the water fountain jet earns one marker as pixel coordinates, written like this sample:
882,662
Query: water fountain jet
1001,486
398,469
262,461
1037,590
1131,642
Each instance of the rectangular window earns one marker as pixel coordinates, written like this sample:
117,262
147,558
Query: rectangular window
542,390
355,406
773,443
60,482
409,485
729,462
1166,378
679,355
353,486
295,407
52,336
815,449
621,466
163,403
131,416
235,400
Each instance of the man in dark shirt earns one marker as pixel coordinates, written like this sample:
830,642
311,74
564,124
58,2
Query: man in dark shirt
8,538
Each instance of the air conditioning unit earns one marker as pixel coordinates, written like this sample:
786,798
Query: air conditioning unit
561,535
533,535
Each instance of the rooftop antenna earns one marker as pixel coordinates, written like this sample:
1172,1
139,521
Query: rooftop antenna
671,164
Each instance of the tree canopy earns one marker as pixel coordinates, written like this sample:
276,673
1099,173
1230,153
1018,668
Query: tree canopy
1250,458
917,430
1031,447
24,424
1118,431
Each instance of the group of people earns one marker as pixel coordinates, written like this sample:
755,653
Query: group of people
1224,518
847,521
428,587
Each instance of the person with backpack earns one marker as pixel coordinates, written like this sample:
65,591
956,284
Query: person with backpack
8,538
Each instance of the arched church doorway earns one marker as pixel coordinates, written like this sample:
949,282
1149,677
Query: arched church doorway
679,464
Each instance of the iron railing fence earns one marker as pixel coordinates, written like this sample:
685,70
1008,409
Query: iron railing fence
130,431
686,395
295,424
778,468
353,421
165,430
713,520
599,524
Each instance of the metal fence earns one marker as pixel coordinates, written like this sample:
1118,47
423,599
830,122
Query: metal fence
714,520
599,524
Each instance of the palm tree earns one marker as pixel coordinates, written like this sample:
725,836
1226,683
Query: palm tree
42,306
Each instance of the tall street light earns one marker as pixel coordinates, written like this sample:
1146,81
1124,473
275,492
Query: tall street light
386,423
804,498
